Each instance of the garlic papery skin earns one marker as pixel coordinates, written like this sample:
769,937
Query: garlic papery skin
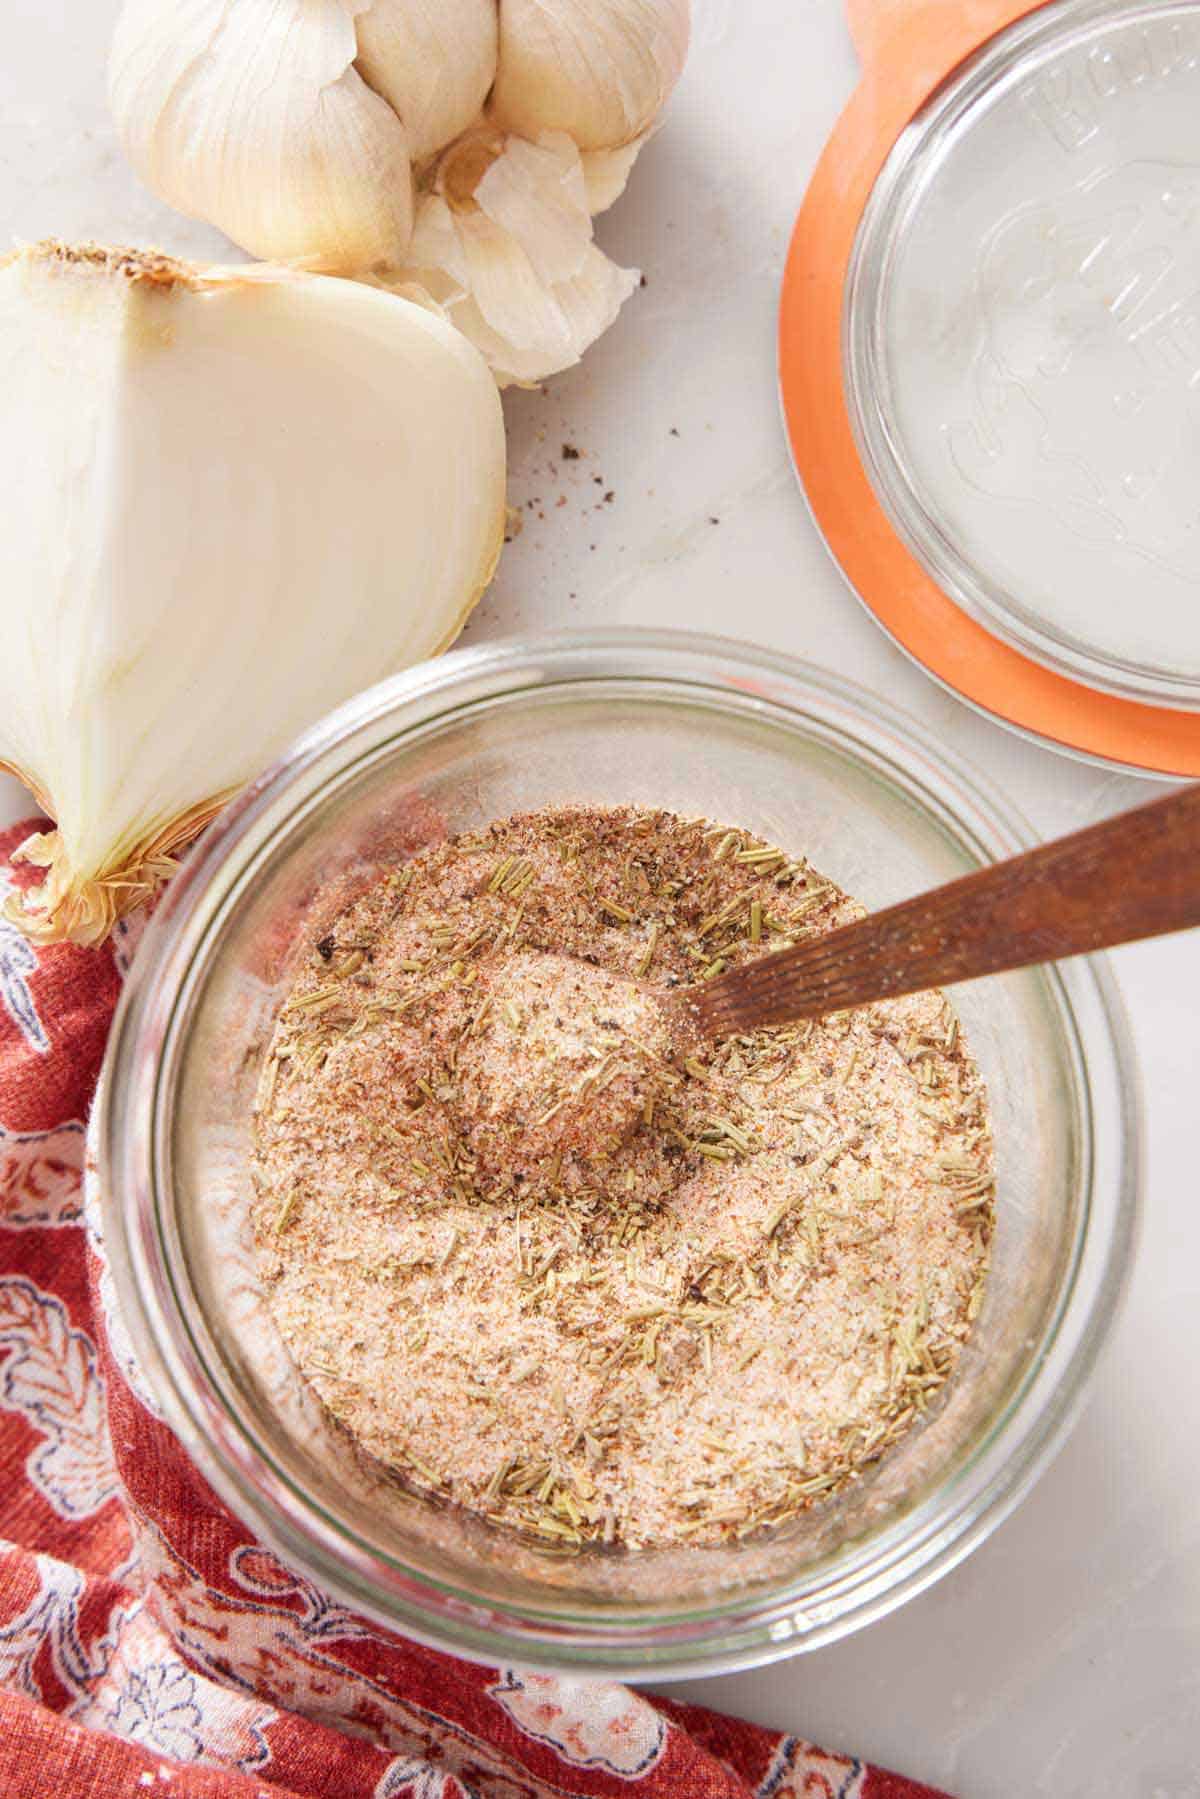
503,242
229,500
252,115
601,70
433,61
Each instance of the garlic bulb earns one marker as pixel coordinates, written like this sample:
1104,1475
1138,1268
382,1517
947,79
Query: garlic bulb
229,499
300,126
600,69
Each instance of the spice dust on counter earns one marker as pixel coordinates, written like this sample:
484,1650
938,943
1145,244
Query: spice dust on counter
541,1260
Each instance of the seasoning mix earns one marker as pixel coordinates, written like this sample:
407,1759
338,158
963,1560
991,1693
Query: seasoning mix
545,1258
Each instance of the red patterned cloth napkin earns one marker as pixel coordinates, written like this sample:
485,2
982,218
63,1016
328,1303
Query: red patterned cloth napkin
146,1641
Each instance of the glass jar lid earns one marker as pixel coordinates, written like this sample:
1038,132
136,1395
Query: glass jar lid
1021,339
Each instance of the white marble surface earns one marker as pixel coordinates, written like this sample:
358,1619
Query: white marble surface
1064,1657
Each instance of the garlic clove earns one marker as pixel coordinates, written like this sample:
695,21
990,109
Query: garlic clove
599,69
253,116
503,242
229,499
433,61
606,173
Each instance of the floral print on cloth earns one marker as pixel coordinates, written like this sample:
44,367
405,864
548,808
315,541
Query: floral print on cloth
147,1642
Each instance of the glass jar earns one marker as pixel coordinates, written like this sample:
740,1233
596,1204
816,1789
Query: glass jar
701,726
1020,342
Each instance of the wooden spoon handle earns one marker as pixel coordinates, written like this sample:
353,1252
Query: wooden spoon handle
1133,876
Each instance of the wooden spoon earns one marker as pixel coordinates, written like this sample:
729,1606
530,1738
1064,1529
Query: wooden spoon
1133,876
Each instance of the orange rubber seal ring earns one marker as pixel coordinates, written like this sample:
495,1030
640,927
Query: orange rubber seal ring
908,47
